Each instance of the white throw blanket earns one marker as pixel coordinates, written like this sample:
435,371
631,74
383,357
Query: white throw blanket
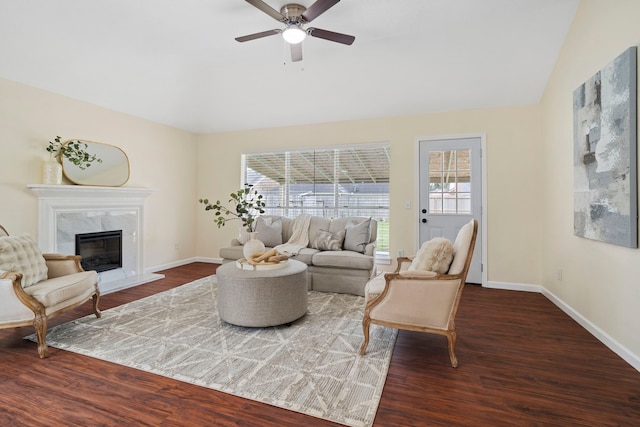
299,237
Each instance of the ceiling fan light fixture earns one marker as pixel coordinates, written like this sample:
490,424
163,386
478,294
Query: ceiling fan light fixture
294,34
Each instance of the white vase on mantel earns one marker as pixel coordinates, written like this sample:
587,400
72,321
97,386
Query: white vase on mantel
51,171
253,246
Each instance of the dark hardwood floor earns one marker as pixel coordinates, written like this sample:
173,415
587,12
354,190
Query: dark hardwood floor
522,362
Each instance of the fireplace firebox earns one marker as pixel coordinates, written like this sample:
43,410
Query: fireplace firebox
100,251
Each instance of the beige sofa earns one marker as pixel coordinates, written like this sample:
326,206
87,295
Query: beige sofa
342,271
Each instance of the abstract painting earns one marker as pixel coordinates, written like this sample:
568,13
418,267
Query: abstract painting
605,164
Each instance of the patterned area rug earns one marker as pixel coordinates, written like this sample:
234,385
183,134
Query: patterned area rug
312,367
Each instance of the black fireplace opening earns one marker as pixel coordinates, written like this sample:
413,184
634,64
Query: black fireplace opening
100,251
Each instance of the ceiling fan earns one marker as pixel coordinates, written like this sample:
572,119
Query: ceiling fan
294,17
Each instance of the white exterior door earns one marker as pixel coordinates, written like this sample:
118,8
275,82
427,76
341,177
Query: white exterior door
450,192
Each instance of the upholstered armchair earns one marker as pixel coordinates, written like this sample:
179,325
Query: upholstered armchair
36,287
421,300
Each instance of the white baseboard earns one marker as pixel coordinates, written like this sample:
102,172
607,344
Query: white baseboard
615,346
169,265
181,263
629,357
209,260
514,287
128,282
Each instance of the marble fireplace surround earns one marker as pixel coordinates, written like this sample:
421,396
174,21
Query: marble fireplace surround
67,210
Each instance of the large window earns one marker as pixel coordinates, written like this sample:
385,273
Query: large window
332,182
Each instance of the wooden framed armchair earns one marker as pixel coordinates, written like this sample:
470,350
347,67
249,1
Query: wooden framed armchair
422,301
36,287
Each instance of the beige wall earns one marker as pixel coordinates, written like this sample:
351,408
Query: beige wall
600,281
161,157
512,139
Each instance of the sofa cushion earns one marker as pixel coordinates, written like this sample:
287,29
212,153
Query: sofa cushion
287,227
232,252
434,255
327,241
305,255
269,231
22,255
343,259
357,236
55,291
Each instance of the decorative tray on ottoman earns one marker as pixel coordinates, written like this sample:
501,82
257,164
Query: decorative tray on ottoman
243,264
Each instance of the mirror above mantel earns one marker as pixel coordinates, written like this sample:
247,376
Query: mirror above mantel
112,171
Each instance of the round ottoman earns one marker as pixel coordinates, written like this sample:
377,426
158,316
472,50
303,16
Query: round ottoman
260,298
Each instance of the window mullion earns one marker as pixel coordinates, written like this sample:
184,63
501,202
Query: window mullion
287,182
336,183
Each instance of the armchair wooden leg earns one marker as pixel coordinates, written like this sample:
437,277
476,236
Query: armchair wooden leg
451,338
40,323
365,330
96,300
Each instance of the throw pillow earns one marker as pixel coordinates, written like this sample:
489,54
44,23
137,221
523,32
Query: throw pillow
22,255
357,236
327,241
434,255
269,232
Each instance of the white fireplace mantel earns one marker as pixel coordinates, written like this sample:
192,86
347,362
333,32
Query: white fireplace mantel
76,192
65,210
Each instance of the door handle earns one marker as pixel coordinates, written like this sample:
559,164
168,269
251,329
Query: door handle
424,220
424,211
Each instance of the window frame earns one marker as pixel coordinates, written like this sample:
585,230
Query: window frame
284,182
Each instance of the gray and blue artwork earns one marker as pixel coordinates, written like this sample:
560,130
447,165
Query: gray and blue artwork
605,170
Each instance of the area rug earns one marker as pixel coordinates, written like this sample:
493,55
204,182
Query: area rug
312,366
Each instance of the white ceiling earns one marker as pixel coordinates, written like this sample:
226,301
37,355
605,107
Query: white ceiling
176,61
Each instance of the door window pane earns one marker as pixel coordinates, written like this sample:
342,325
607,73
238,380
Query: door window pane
450,182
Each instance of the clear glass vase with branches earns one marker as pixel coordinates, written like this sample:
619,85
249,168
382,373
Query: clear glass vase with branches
244,205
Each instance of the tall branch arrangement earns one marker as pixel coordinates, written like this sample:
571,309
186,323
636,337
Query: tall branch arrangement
247,204
75,151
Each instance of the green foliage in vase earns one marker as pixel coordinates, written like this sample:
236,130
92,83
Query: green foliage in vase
75,151
247,205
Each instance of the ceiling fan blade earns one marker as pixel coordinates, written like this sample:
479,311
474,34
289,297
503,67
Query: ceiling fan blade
331,36
258,35
296,52
317,9
267,9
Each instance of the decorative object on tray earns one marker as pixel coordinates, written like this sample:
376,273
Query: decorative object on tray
252,246
269,257
243,264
